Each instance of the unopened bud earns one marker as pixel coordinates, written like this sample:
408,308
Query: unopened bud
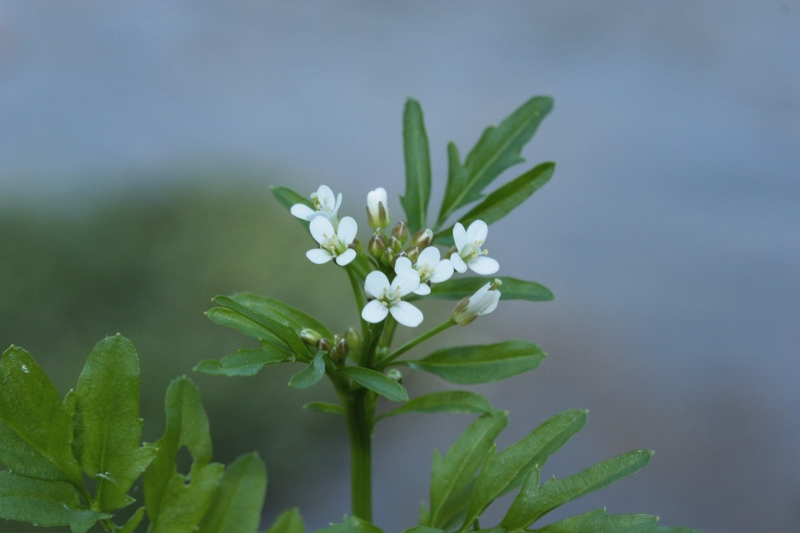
413,253
324,344
422,239
483,302
353,339
310,336
395,244
395,375
377,244
378,209
400,231
357,246
388,257
340,350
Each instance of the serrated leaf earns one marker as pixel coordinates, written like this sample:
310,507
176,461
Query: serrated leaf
281,312
35,429
244,362
453,472
310,375
597,521
504,200
237,502
375,381
44,503
555,493
133,522
108,429
456,401
232,319
288,522
176,503
506,471
498,149
481,364
512,289
352,524
324,407
418,167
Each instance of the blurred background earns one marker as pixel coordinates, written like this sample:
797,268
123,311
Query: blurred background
138,141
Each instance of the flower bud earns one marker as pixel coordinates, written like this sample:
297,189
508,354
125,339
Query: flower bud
357,246
413,254
395,244
340,350
310,336
377,244
388,257
483,302
400,231
395,375
378,209
422,239
324,344
353,338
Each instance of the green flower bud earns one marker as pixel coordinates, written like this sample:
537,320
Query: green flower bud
340,350
395,244
400,231
377,244
388,257
324,344
395,375
310,336
353,338
357,246
413,253
422,239
483,302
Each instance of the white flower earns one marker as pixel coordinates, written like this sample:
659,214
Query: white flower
332,244
483,302
378,208
429,266
326,204
387,298
469,253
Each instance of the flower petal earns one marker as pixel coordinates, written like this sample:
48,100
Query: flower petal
347,230
338,204
443,271
484,265
429,255
406,314
374,312
318,256
325,196
458,264
406,281
459,237
321,229
402,263
346,257
477,231
423,290
375,284
302,211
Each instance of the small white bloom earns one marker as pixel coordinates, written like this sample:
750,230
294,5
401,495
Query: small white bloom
483,302
332,244
378,208
468,242
430,267
387,298
325,203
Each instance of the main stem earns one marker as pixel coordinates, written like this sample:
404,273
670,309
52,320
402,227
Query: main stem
358,426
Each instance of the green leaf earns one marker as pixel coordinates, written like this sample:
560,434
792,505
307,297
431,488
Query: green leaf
517,515
498,149
108,429
377,382
597,521
453,472
133,522
418,167
481,364
455,401
324,407
506,471
244,362
311,374
236,507
287,198
558,492
352,524
35,429
504,200
281,312
283,332
512,289
176,503
288,522
232,319
456,181
44,503
423,529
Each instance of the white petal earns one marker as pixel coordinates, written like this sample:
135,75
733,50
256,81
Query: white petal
429,255
347,230
346,257
321,229
458,263
302,211
374,312
443,271
423,290
477,231
376,197
406,314
484,265
402,263
338,204
318,256
376,283
459,237
493,304
325,196
406,281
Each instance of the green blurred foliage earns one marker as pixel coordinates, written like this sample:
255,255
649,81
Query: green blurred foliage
146,266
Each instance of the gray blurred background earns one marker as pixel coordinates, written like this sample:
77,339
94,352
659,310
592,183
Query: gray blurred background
138,141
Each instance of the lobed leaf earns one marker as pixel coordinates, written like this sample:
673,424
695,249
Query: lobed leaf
244,362
481,364
288,522
512,289
456,401
237,502
281,312
375,381
597,521
324,407
311,374
418,167
35,429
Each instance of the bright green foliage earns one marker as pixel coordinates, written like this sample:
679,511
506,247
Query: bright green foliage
598,521
455,401
232,319
47,503
177,503
377,382
512,289
352,524
238,498
481,364
288,522
311,374
244,362
418,167
281,312
35,428
108,429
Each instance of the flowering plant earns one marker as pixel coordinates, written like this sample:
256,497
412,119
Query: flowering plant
73,462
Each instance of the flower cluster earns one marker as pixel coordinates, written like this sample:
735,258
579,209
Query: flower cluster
414,263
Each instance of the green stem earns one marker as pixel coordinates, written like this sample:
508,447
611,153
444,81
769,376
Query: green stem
359,428
359,296
410,344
